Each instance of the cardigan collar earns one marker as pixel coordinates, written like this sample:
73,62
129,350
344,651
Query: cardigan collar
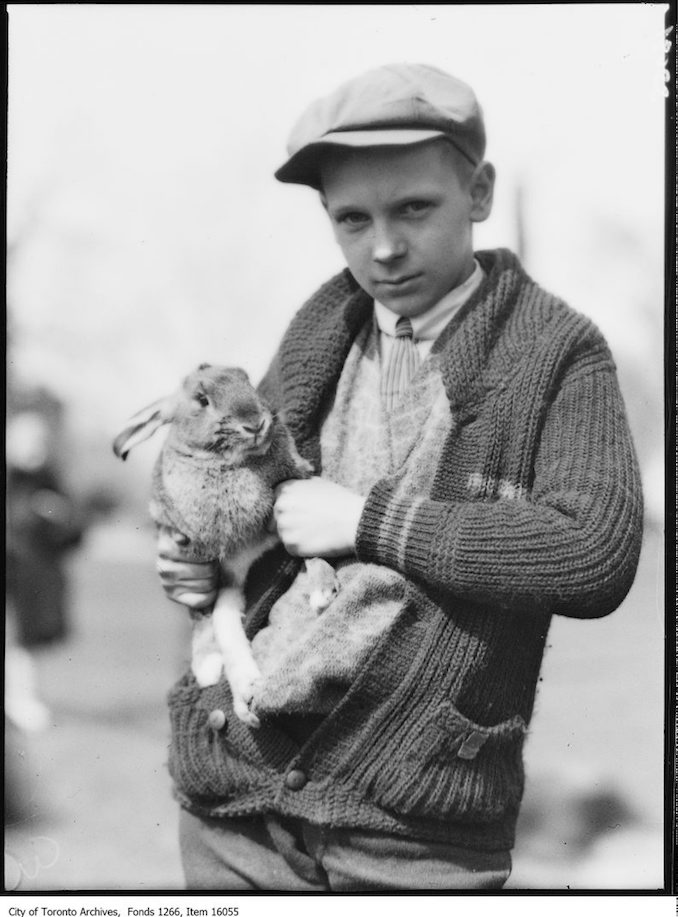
314,349
313,353
471,335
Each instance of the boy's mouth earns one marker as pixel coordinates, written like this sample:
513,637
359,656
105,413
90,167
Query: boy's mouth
397,284
396,280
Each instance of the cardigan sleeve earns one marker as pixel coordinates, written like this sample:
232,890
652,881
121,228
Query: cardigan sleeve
570,547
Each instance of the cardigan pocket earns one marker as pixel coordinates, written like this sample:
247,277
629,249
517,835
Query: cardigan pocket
212,755
453,768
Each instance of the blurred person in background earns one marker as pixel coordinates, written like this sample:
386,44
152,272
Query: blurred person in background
44,523
469,435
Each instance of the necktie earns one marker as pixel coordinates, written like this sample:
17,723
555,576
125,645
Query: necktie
402,364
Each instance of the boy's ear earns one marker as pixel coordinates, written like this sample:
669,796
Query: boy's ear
482,191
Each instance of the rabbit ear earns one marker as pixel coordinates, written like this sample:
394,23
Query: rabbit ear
143,425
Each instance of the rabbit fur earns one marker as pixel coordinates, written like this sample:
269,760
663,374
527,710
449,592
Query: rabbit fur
213,481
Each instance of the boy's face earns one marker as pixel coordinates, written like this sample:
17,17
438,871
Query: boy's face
403,218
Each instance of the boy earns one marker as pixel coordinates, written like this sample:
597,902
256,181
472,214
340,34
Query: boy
468,435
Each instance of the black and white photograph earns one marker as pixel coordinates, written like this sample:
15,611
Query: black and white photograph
335,453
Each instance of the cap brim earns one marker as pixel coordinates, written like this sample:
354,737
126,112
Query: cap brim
303,167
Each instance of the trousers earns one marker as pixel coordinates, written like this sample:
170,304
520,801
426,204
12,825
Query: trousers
275,854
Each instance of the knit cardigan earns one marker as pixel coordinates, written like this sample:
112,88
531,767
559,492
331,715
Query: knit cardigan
535,509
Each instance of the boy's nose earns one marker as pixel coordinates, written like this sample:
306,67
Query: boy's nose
387,245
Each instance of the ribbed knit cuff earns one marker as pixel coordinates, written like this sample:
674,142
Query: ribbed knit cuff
398,532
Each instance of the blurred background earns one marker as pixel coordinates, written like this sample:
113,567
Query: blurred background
146,234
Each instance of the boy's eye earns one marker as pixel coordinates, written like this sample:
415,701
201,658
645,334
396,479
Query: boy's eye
353,218
412,208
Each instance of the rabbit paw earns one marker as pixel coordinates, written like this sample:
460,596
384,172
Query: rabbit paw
207,669
242,688
320,598
244,714
323,583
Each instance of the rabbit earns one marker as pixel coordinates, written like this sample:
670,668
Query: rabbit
213,481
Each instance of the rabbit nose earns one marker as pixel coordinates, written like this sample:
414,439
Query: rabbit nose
255,426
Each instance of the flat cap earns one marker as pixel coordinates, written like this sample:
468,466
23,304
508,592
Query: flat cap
394,105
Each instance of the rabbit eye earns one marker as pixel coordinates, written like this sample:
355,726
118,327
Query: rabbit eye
202,399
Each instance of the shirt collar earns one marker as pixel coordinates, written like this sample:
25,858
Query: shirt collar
428,326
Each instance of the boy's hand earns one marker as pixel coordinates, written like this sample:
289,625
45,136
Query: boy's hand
192,584
316,518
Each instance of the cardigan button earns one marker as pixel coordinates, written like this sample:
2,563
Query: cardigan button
295,780
217,720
